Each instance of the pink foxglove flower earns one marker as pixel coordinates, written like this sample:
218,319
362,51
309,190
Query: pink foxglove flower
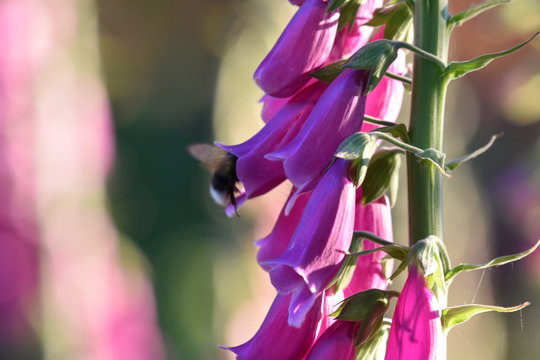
276,339
416,331
258,174
277,241
376,218
337,342
304,45
338,114
315,251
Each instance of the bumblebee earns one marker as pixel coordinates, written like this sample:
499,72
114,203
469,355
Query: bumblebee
222,164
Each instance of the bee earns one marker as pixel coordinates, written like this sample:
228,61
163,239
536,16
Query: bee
224,185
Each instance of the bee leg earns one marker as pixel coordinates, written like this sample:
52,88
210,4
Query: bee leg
233,201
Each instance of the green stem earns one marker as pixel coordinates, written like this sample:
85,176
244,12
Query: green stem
403,79
434,58
427,115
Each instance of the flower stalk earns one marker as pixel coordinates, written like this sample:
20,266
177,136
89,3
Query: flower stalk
427,117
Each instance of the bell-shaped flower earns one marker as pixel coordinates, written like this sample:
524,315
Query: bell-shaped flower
337,342
276,339
352,37
317,246
338,114
304,46
416,331
257,173
278,240
384,102
376,218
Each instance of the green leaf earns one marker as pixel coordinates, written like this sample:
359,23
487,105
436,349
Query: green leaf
380,175
358,147
495,262
458,69
451,165
474,10
375,56
375,348
455,315
396,130
360,306
334,5
434,156
346,271
328,73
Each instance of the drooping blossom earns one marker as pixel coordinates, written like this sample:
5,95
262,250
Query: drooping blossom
257,173
337,342
338,114
376,218
278,240
416,331
277,339
276,330
304,45
315,251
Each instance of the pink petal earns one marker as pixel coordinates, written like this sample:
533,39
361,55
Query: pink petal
304,45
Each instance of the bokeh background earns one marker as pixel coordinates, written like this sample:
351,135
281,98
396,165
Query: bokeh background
110,247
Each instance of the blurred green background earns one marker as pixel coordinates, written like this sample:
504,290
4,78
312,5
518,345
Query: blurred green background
162,62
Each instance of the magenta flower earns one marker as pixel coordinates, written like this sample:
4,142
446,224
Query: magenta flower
277,241
257,173
276,339
337,342
416,331
376,218
315,251
304,45
338,114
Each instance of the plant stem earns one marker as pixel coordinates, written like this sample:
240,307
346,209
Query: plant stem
427,115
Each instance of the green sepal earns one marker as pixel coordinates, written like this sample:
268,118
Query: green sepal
382,173
334,5
434,156
328,73
431,257
375,348
502,260
394,250
359,148
455,315
458,69
397,18
461,17
346,271
452,165
347,14
375,56
359,307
